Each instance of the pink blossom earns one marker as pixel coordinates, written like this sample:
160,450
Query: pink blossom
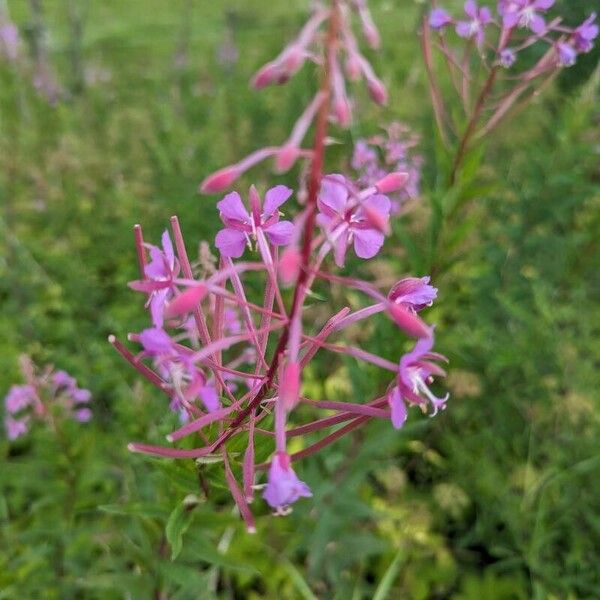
240,225
414,293
475,27
283,487
345,220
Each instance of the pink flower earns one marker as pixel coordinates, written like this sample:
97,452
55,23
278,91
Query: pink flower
439,18
160,273
585,34
16,427
240,224
475,28
416,373
414,293
347,221
525,13
283,486
19,397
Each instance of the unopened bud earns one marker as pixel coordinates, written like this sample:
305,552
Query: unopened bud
353,69
267,75
289,265
220,180
289,387
408,321
377,91
285,158
186,301
342,112
392,182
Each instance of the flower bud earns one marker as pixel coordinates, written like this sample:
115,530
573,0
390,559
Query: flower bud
392,182
267,75
289,265
219,180
285,158
377,91
289,386
408,321
186,301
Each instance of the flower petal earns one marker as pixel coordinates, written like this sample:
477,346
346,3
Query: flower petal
230,242
280,233
232,207
274,198
367,242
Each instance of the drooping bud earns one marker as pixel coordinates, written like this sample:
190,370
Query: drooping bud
377,91
220,180
392,182
267,75
285,158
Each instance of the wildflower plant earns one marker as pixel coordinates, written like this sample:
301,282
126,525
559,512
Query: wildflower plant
232,366
498,59
47,397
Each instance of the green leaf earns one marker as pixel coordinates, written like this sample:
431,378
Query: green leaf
385,585
177,524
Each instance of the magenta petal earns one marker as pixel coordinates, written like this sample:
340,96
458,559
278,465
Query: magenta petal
209,398
543,4
471,8
463,29
367,242
230,242
274,198
537,25
280,233
334,192
168,249
398,408
341,246
232,207
380,203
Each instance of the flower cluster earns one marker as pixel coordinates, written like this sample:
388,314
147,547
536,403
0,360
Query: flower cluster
41,398
330,27
231,361
498,39
393,151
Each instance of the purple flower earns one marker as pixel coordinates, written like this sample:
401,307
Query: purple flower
19,397
156,342
63,379
283,486
9,41
81,396
475,27
414,293
346,222
83,415
415,373
507,58
16,427
240,224
567,55
363,155
439,18
585,34
524,13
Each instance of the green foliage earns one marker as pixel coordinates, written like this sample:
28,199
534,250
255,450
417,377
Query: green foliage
494,499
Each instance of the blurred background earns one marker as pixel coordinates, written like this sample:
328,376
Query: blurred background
129,106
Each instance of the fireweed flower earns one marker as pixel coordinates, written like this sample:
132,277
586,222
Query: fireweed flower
439,18
507,58
240,225
283,487
216,334
416,373
44,393
585,34
524,13
566,54
395,151
347,222
475,27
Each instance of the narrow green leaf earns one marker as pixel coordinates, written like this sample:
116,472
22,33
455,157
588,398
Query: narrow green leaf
385,585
